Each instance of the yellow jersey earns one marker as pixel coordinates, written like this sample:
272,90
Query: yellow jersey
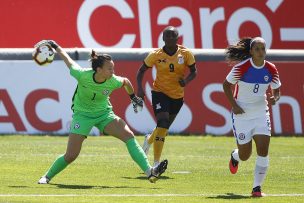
169,70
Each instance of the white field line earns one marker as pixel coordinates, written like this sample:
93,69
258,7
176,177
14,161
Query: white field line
127,155
108,155
140,195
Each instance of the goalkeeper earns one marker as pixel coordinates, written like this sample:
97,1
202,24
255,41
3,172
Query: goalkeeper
91,107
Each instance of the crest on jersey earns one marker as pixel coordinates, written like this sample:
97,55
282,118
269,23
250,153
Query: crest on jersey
180,60
76,126
158,106
105,92
266,78
241,136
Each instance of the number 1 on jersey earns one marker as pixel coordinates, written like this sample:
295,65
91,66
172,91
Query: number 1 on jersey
93,96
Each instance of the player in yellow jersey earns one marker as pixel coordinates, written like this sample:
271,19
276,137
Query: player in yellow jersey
171,62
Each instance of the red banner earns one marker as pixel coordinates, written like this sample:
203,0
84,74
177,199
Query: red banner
131,23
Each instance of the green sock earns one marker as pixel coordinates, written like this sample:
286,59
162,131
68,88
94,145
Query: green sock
57,166
137,154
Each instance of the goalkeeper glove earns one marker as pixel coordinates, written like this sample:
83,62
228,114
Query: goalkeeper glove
137,103
52,43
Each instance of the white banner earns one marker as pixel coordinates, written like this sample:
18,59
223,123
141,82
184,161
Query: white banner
35,99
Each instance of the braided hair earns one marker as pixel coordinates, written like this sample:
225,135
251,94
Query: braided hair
97,60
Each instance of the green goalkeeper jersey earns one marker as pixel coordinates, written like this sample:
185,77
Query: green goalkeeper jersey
91,96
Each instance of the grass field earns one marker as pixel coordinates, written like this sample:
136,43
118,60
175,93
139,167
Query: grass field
104,172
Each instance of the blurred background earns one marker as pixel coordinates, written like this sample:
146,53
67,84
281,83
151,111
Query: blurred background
37,100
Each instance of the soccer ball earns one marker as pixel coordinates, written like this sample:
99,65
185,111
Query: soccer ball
43,55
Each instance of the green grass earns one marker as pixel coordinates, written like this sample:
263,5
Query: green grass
104,172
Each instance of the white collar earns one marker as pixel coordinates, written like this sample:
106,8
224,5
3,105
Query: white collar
257,67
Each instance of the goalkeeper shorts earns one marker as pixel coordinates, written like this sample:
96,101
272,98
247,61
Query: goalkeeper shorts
82,123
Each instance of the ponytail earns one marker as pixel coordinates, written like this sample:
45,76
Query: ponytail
238,52
93,55
98,60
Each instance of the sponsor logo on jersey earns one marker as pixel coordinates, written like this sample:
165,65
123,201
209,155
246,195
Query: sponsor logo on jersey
241,136
162,60
105,92
266,78
181,60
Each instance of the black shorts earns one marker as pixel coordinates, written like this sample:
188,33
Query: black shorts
163,103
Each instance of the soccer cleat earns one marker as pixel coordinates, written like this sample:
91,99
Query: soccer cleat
44,180
257,192
157,171
233,165
146,145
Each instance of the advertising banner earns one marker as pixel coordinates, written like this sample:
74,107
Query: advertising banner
38,99
139,23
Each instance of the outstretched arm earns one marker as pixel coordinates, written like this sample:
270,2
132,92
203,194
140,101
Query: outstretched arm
65,57
63,54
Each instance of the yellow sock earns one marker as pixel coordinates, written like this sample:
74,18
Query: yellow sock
158,144
152,136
